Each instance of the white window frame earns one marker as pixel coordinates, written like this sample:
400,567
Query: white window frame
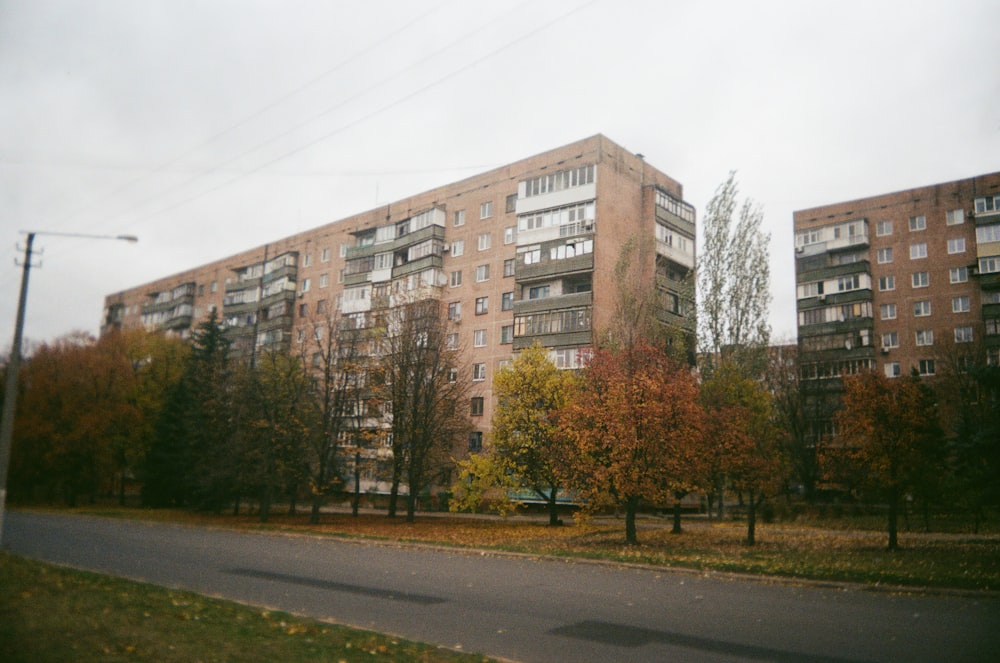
958,274
883,228
922,308
482,273
457,248
455,278
892,369
459,217
918,251
918,223
887,311
923,337
884,256
956,245
964,334
920,279
890,340
479,372
479,338
954,217
486,210
887,283
961,304
485,241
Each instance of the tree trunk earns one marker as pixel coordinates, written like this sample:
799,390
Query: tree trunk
893,518
752,519
314,511
411,507
676,529
722,499
357,484
631,506
265,504
553,508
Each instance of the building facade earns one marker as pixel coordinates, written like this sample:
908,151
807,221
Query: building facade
901,282
519,254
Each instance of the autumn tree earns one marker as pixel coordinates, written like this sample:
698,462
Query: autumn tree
747,445
418,377
734,290
335,354
633,428
524,428
889,432
71,416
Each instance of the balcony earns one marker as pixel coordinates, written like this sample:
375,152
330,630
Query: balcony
572,300
675,255
832,272
547,268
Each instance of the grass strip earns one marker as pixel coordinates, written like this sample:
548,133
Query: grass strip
53,614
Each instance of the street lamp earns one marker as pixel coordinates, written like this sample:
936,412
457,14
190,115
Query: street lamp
14,365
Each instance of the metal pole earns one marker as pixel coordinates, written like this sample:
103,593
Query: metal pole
10,394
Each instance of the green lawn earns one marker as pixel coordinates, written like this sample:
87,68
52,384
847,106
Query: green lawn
50,614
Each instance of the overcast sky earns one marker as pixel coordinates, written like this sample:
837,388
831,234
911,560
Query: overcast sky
242,121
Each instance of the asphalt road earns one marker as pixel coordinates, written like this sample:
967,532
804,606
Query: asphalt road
522,608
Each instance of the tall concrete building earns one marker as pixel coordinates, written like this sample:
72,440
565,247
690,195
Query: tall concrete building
898,282
519,254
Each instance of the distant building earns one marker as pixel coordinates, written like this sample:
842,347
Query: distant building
898,282
523,253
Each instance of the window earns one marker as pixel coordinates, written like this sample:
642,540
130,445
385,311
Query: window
918,223
886,283
883,228
847,283
455,311
303,310
343,250
321,306
300,335
482,273
324,280
478,372
963,334
508,267
987,204
505,364
486,210
960,304
324,255
958,274
538,292
214,286
510,234
511,203
476,441
986,234
479,338
457,248
308,260
918,251
484,241
892,369
890,340
956,245
478,405
887,311
456,278
922,308
305,285
884,255
201,290
531,257
925,367
451,343
989,265
460,217
992,326
482,305
920,279
506,334
924,337
507,301
954,217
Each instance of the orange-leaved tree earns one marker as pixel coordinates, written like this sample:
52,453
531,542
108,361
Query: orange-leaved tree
889,432
747,445
632,431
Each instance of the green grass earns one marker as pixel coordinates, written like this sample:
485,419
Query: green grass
52,614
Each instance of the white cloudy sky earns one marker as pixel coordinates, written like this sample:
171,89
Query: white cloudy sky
240,121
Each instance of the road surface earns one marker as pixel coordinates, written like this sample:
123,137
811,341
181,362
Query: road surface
522,608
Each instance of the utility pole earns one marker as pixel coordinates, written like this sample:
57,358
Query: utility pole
14,365
10,394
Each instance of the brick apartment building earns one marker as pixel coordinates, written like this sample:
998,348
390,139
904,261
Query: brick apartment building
898,282
522,253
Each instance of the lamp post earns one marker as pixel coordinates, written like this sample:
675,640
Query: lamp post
14,365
